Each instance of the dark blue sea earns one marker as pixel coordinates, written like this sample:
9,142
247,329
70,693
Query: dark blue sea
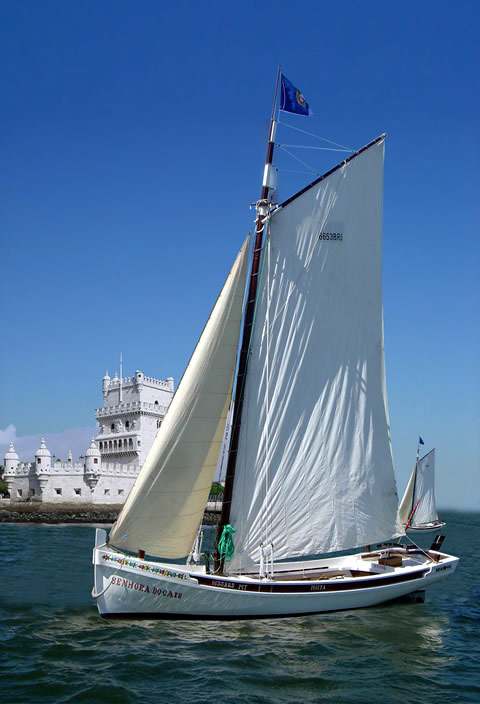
55,647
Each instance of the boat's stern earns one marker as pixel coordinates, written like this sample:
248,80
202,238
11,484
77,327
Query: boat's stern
444,566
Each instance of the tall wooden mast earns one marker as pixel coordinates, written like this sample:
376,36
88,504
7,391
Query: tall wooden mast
268,188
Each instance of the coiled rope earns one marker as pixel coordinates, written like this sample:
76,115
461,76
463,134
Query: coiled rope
225,546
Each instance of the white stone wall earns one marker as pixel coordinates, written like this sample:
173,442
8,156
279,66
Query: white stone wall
114,483
64,482
72,483
22,481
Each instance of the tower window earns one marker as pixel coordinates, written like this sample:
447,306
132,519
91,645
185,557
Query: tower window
39,460
112,427
127,423
58,492
95,460
19,492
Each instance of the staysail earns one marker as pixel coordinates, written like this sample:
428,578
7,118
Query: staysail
314,471
167,502
421,488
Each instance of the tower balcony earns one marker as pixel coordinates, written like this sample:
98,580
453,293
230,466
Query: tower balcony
120,409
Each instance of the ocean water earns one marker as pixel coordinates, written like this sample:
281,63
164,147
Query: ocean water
55,648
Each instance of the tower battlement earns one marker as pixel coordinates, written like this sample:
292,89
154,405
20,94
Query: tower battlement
167,385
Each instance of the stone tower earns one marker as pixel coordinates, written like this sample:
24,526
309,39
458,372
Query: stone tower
133,410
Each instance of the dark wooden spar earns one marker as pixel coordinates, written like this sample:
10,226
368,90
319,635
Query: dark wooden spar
265,198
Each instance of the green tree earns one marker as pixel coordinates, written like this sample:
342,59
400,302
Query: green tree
217,489
3,486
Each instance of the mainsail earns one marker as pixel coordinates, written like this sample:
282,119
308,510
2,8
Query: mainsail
314,470
421,488
166,505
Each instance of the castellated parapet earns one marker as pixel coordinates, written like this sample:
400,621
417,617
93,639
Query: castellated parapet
134,408
70,482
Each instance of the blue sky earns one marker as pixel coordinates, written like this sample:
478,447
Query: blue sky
133,142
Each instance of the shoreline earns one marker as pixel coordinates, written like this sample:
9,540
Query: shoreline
38,512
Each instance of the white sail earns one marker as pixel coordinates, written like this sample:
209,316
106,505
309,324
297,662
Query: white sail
407,503
167,502
426,511
314,470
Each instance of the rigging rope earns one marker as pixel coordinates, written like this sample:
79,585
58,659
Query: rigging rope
299,146
310,134
309,146
304,163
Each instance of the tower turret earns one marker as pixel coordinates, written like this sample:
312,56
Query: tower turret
10,464
93,463
43,462
106,383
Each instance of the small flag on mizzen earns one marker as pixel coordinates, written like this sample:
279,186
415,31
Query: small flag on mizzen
291,100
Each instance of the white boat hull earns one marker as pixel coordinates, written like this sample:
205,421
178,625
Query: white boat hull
426,528
132,587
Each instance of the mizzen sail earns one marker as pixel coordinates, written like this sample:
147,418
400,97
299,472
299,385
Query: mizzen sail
421,488
167,502
425,488
314,469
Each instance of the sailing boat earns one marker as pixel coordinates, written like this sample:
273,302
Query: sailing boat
310,469
418,511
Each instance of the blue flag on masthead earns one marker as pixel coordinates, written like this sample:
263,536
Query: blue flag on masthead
420,441
291,100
